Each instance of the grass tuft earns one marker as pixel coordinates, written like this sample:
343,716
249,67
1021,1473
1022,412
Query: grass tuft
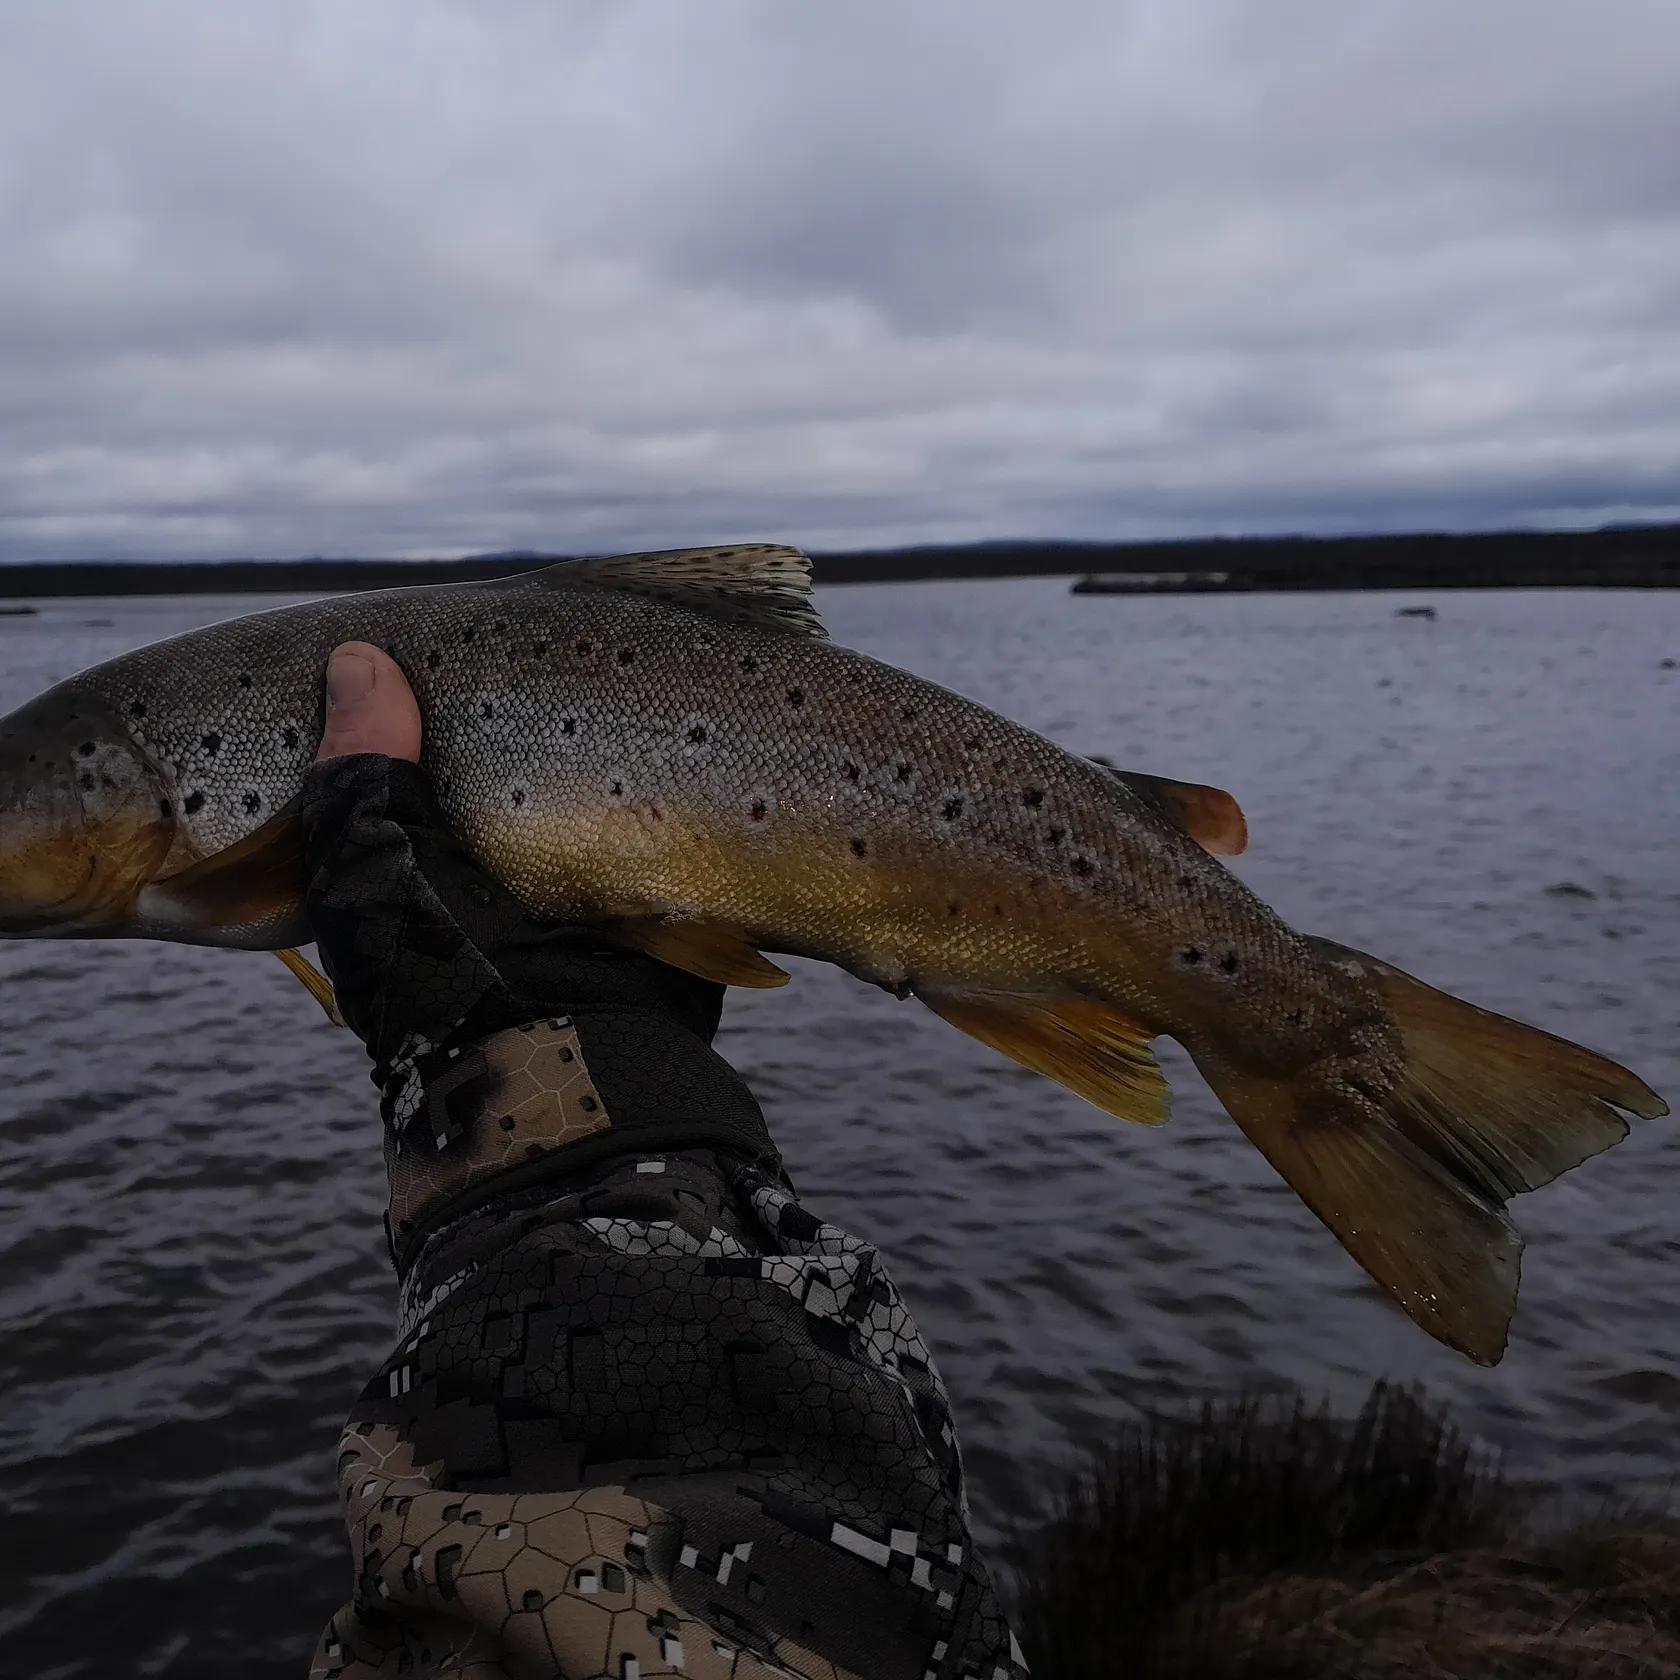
1264,1540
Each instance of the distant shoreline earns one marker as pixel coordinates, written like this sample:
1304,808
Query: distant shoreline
1617,557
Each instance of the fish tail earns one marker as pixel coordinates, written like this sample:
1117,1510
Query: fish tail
1412,1173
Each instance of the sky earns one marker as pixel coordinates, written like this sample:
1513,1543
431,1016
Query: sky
429,277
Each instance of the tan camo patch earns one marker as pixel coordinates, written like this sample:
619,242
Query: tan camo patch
532,1093
513,1586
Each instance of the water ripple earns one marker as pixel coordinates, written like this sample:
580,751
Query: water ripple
192,1278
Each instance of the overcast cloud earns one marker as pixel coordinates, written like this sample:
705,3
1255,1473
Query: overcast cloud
432,276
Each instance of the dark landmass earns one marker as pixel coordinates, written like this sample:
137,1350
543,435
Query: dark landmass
1617,557
1265,1541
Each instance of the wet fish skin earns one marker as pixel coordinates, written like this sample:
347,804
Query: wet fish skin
528,738
709,779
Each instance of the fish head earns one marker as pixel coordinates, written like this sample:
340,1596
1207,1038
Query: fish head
86,818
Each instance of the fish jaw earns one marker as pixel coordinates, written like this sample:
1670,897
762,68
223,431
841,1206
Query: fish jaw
86,820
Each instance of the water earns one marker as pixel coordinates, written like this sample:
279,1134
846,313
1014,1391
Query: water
192,1281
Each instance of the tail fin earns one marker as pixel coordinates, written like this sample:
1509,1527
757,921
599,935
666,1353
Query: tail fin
1413,1181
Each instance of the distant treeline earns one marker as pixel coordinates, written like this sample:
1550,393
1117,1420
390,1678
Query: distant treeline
1619,557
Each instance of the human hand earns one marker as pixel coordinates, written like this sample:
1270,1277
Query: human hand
433,960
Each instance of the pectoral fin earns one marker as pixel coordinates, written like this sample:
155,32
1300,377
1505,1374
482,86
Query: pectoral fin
711,950
1081,1043
314,982
255,883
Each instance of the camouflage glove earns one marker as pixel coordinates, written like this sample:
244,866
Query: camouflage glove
507,1051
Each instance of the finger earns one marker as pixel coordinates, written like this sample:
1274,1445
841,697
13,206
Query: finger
370,707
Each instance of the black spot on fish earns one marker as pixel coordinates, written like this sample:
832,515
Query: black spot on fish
626,656
86,749
87,781
253,801
1229,963
193,803
1082,867
1032,798
519,796
749,664
137,708
972,745
487,710
288,736
759,810
212,743
245,681
165,810
1054,837
539,648
1186,882
696,735
584,649
434,659
1191,955
908,715
850,771
952,809
568,726
953,908
902,773
468,634
498,628
618,790
860,848
796,697
997,909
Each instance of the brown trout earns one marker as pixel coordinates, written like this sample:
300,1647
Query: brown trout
668,747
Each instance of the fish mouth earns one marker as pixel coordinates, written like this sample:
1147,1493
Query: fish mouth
67,920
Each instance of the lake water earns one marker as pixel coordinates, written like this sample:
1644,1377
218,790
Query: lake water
192,1278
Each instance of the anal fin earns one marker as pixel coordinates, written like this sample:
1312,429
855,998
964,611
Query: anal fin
1082,1043
712,950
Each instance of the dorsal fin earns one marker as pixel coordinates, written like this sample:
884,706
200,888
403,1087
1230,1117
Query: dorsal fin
1209,815
765,584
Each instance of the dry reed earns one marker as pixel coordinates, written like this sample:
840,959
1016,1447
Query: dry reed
1263,1540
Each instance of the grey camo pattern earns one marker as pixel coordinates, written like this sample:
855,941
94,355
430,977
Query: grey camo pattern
676,1343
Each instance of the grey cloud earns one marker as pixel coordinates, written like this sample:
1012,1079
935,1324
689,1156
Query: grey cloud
421,276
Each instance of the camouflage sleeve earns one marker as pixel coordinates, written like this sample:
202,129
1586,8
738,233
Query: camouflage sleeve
647,1415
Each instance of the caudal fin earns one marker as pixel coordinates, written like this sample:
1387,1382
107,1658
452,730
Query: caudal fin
1414,1180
